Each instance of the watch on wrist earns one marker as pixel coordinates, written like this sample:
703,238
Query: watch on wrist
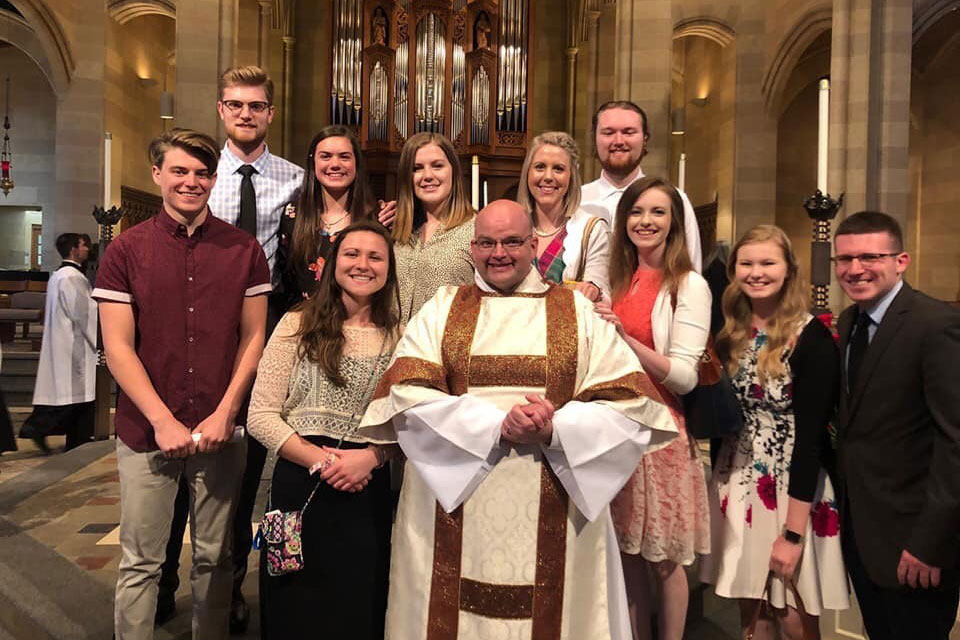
792,536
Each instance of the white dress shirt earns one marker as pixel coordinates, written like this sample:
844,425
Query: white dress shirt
275,182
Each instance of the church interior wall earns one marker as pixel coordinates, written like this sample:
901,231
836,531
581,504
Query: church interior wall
933,221
137,69
549,67
311,99
33,115
248,33
797,145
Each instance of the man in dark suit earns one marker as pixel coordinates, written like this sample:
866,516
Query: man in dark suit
898,437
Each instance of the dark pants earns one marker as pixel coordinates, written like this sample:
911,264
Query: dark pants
901,613
74,420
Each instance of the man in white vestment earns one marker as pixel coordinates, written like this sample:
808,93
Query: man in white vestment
522,414
620,134
63,396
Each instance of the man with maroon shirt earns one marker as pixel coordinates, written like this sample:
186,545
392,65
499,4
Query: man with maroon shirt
183,313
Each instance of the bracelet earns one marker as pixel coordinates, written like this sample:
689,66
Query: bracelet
381,456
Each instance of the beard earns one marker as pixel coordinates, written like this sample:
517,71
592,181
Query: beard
621,163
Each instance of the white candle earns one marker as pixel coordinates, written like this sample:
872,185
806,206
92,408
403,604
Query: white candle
107,143
486,194
682,172
475,182
823,135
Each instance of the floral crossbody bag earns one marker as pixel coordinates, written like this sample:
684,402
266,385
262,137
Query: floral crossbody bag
281,531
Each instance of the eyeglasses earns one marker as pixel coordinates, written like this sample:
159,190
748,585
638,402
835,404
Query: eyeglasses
489,245
865,259
235,106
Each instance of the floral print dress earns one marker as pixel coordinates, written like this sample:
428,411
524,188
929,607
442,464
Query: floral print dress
749,499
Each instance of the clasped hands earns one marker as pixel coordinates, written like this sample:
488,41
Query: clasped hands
348,469
530,423
175,439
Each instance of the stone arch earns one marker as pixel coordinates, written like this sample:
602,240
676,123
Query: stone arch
930,15
791,49
48,38
16,31
123,11
709,28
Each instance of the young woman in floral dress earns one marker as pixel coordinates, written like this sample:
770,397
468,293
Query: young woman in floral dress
662,309
772,505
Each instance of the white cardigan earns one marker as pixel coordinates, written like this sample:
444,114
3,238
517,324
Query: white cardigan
597,267
682,335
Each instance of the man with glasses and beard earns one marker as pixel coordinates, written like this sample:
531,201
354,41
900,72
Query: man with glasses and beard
621,134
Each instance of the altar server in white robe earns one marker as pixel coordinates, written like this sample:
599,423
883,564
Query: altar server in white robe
521,414
63,396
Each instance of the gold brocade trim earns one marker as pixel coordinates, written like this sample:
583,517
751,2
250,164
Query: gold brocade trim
414,371
503,601
458,337
508,371
633,385
443,616
551,557
541,602
562,341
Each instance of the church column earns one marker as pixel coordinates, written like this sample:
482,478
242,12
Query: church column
571,107
755,131
263,45
201,58
589,159
283,19
870,105
644,48
79,158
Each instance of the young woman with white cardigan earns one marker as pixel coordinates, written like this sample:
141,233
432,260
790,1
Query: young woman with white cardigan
661,307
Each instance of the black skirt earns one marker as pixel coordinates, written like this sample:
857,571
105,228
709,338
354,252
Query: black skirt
342,590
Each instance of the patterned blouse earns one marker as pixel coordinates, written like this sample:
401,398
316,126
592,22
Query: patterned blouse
423,268
293,395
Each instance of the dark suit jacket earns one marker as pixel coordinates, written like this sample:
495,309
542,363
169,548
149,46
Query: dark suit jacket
899,437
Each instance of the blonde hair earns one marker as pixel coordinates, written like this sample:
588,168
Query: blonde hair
248,76
199,145
623,253
781,329
571,199
410,213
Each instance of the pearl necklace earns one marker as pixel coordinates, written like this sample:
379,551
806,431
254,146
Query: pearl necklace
542,234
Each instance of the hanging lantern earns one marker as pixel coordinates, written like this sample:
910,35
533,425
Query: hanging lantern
6,157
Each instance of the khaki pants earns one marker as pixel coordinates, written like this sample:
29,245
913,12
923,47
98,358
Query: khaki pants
148,488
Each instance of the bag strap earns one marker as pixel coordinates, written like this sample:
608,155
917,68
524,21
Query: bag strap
808,633
591,223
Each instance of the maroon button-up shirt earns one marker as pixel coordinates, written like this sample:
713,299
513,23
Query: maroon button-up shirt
187,295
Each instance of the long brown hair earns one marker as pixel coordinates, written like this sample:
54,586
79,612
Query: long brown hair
781,329
360,201
623,254
410,212
321,321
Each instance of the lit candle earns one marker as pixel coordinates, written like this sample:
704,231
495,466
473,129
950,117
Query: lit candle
823,135
475,182
682,171
486,194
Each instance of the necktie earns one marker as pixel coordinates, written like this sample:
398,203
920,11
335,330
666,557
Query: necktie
248,201
859,341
